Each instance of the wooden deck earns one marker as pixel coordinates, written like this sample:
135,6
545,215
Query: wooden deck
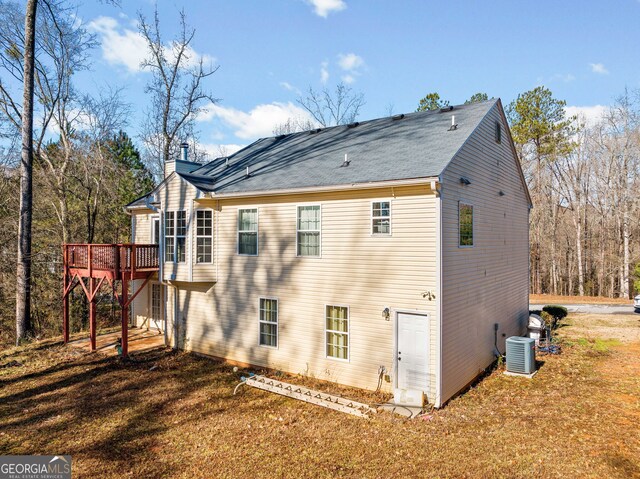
110,264
111,261
139,340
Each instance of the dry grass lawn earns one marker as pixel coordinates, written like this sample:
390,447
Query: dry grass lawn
552,299
168,414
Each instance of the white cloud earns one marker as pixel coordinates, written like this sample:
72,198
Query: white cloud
350,61
352,64
120,46
598,68
323,8
259,121
587,114
286,85
127,47
348,79
324,72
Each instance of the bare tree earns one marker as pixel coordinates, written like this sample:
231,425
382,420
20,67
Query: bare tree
61,50
294,125
623,146
339,107
572,175
176,89
96,171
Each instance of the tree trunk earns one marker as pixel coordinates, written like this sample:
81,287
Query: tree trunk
578,225
624,276
23,277
554,239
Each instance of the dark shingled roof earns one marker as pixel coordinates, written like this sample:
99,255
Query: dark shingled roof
414,145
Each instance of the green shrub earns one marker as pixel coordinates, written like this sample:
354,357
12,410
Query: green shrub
558,313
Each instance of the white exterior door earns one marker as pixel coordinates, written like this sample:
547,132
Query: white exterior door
157,306
412,360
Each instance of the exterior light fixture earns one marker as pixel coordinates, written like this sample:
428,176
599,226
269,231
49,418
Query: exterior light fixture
465,181
386,314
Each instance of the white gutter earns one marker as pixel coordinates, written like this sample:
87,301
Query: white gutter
323,189
438,192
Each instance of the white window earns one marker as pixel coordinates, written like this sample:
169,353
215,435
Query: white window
155,230
169,235
308,231
181,233
175,231
381,218
269,322
337,332
204,236
248,231
465,224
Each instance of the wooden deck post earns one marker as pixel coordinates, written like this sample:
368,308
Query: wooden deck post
92,313
125,315
65,298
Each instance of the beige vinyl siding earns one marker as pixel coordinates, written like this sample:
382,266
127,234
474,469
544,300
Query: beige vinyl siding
489,282
356,269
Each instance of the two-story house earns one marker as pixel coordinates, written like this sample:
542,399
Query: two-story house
393,249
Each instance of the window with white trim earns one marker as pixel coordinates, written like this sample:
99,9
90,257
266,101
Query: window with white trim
169,235
181,234
308,231
381,218
204,236
337,332
465,224
175,232
248,231
269,322
155,230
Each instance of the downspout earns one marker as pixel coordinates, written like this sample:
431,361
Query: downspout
190,237
438,193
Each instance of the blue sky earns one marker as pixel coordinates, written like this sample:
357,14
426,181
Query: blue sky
392,51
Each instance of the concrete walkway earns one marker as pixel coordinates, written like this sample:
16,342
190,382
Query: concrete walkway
139,340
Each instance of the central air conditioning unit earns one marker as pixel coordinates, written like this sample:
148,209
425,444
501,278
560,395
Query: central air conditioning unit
521,358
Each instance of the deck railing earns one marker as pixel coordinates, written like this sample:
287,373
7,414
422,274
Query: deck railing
112,257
